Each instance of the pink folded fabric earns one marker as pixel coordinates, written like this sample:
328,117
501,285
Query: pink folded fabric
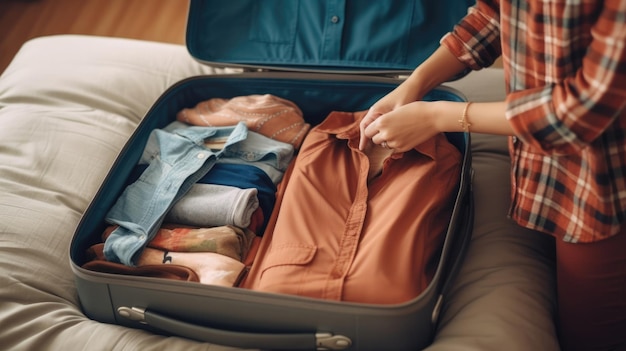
162,271
230,241
211,268
269,115
98,263
226,240
203,267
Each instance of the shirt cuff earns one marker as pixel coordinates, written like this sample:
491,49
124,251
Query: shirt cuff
456,46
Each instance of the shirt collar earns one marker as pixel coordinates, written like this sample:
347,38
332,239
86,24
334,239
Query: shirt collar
345,125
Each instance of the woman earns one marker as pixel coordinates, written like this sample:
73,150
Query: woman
565,110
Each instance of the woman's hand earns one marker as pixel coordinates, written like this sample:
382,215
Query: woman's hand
397,98
401,128
438,68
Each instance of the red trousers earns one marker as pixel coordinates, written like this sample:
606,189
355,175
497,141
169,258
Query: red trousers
592,294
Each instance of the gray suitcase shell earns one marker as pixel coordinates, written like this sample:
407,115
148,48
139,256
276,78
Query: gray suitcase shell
251,319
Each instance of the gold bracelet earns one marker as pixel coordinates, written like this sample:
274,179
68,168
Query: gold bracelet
463,121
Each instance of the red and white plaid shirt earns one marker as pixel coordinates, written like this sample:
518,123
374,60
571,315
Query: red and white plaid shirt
565,69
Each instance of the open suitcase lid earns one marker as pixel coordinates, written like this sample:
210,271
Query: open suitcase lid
338,36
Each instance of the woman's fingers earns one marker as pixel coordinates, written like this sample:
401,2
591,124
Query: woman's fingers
366,129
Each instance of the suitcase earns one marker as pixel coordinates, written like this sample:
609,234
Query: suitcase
323,56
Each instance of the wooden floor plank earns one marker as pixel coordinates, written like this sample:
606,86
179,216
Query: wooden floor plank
21,20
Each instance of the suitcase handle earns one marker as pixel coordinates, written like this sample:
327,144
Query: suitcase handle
272,341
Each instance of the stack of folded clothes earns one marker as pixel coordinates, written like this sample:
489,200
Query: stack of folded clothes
202,191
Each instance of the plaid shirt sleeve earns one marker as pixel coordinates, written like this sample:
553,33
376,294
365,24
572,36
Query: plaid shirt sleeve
571,107
475,40
565,71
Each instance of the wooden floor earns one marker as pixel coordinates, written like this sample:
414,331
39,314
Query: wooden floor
21,20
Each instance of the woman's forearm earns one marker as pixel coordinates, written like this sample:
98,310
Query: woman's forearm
439,68
481,117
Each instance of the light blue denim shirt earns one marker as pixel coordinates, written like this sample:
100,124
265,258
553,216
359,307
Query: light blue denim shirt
178,158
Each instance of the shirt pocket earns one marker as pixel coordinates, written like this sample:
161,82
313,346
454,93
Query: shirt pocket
283,261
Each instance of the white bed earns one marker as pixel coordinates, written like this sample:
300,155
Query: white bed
67,106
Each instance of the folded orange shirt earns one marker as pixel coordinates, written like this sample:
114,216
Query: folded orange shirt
335,234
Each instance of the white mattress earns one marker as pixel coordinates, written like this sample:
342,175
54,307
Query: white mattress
67,106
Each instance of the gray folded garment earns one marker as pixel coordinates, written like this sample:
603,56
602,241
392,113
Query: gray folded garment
210,205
